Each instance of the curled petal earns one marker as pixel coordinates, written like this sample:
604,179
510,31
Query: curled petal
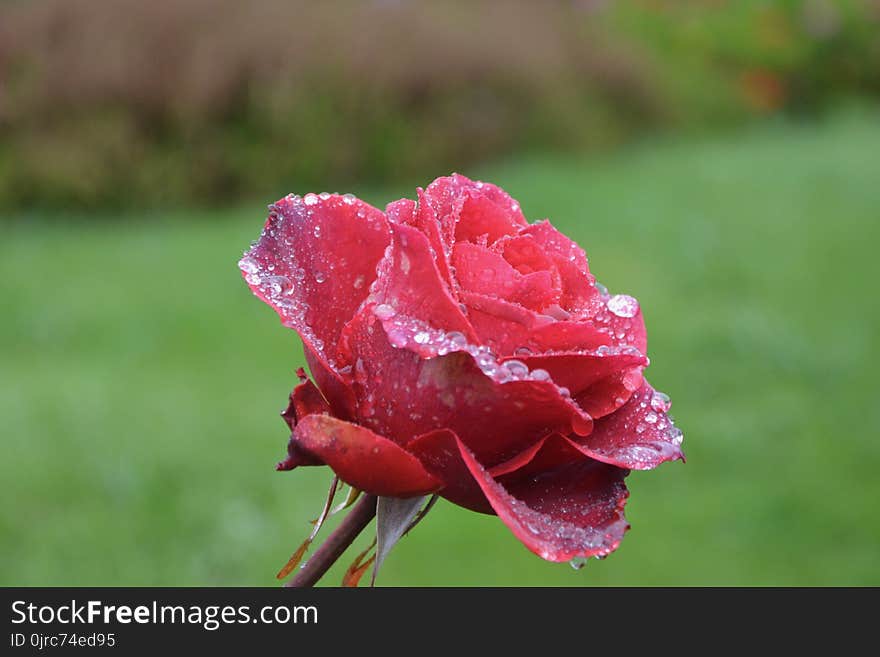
571,261
364,459
496,408
313,249
581,370
410,297
468,210
335,385
606,396
575,510
639,435
305,399
403,211
481,270
438,452
510,330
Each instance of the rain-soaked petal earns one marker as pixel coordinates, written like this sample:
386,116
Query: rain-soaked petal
575,510
364,459
639,435
511,330
312,250
571,261
409,296
496,408
305,399
483,271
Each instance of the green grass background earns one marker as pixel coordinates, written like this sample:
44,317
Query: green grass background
140,382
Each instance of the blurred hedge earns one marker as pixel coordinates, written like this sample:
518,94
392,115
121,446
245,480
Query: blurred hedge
122,102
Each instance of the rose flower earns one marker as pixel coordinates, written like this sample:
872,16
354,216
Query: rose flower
458,349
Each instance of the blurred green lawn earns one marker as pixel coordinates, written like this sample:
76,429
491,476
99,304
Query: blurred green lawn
140,382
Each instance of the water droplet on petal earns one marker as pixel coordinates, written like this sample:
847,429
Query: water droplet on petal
456,338
397,337
320,276
540,375
660,402
248,265
358,282
422,337
516,368
384,311
310,199
623,305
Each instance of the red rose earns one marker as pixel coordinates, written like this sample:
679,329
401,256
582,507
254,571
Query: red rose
460,350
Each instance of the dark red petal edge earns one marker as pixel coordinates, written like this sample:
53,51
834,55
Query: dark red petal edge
364,459
570,512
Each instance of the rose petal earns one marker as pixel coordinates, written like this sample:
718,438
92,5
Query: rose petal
510,330
525,254
498,411
438,452
620,317
572,511
571,261
579,370
552,452
410,297
364,459
483,271
402,211
433,227
638,436
305,399
609,394
335,386
466,209
311,250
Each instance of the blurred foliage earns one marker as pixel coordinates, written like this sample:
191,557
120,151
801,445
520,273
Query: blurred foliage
141,382
122,102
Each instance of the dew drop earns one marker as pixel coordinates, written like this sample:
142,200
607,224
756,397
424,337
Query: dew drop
540,375
422,337
660,402
397,337
676,436
516,368
310,199
320,276
456,338
384,311
623,305
358,282
248,265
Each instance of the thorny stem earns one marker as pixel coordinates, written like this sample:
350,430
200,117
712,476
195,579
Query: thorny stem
338,541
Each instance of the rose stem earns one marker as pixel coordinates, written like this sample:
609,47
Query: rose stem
338,541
